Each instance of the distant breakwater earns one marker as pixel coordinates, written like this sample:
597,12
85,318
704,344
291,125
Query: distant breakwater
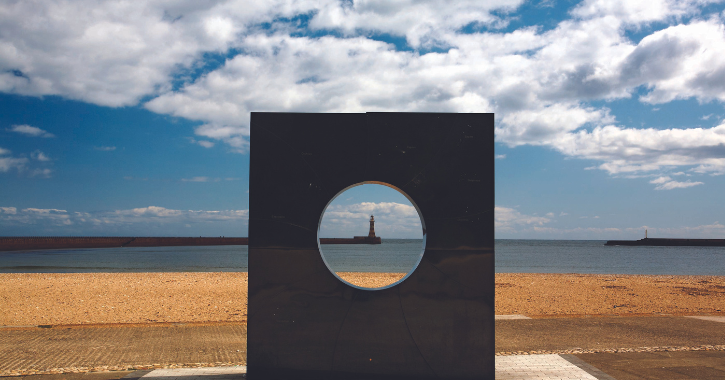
21,243
61,242
667,242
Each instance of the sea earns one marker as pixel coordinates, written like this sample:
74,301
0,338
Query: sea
393,255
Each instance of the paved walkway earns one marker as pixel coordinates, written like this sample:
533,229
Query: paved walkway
538,367
216,373
625,348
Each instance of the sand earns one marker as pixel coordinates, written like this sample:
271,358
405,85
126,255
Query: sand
109,298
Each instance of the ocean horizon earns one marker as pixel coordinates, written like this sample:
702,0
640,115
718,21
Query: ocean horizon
393,255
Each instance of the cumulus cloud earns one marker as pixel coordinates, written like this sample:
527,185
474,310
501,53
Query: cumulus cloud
667,183
201,179
638,12
705,231
42,173
9,163
626,150
9,210
540,83
113,54
30,130
106,221
33,215
40,156
392,220
508,219
421,22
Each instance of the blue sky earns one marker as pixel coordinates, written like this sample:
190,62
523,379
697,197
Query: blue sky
133,118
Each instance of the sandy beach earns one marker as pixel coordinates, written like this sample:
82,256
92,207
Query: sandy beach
109,298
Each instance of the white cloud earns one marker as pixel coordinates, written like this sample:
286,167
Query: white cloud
196,179
164,215
392,220
638,11
588,233
705,231
34,215
10,216
105,148
4,151
667,183
660,180
112,53
9,163
500,156
507,219
640,150
421,22
710,231
42,173
40,156
539,83
233,136
31,131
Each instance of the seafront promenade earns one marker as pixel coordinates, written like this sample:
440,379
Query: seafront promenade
603,347
626,327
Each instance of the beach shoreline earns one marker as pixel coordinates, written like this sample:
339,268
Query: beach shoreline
32,299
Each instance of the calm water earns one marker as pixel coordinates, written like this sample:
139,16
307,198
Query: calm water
512,256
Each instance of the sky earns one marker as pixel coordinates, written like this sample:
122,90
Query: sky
132,118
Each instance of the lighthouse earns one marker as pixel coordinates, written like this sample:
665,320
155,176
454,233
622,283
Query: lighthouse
370,239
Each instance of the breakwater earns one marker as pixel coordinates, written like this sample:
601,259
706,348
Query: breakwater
20,243
665,242
61,242
355,240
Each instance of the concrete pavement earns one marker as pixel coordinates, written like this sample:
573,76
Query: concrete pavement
623,348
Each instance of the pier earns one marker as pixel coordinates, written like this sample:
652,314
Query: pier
665,242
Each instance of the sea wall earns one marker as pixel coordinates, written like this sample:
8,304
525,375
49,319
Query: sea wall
355,240
19,243
61,242
665,242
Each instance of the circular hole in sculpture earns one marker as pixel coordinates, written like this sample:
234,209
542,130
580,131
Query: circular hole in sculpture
371,236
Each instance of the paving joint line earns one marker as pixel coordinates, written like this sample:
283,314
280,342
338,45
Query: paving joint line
615,350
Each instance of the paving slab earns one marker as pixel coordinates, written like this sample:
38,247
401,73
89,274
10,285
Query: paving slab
83,349
510,317
214,373
680,365
524,367
598,334
708,318
662,347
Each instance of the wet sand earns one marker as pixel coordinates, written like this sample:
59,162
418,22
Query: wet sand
98,298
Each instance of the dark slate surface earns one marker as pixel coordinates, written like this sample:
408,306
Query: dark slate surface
303,321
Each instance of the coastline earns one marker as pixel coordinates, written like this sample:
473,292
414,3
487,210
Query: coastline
32,299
